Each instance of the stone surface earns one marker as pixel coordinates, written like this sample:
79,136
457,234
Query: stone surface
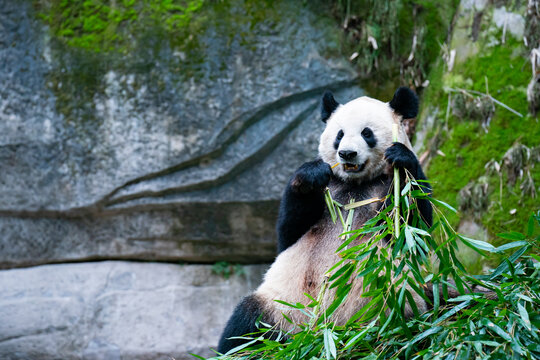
116,310
106,156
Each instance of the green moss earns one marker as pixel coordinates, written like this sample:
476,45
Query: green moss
102,25
468,147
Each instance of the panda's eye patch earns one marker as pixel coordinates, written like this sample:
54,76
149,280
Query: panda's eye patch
369,137
338,139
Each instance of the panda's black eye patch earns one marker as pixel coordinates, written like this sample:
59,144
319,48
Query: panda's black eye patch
338,139
369,137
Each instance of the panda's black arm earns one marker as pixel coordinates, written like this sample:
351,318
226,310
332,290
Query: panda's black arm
400,156
302,204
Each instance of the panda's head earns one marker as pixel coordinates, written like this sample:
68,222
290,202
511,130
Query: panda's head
358,133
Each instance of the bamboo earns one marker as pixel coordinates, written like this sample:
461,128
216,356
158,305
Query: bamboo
395,130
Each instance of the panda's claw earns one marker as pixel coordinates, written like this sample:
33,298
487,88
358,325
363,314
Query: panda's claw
400,156
313,176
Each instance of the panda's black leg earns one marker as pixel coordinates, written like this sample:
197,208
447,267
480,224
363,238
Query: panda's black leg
241,322
400,156
303,202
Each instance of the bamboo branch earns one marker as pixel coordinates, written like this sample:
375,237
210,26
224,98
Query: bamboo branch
396,189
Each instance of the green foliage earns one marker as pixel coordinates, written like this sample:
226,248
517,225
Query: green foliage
499,319
394,39
225,269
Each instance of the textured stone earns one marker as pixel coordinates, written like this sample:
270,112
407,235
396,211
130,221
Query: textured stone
126,157
116,310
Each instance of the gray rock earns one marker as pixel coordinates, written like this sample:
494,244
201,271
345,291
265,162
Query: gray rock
108,156
117,310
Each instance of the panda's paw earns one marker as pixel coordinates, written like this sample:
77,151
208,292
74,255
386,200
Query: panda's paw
400,156
313,176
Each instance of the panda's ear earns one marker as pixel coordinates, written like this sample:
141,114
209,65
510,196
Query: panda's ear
328,105
405,103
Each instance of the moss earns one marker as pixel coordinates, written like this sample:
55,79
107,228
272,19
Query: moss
102,26
504,70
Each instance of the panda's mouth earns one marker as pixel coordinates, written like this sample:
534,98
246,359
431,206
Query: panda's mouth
353,168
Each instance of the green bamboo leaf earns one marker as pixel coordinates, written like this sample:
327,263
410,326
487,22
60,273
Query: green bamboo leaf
348,240
436,298
347,268
388,320
525,297
504,266
197,356
511,245
243,346
524,316
512,235
329,344
452,312
355,339
296,306
490,325
411,244
424,335
442,203
478,244
406,188
365,308
370,269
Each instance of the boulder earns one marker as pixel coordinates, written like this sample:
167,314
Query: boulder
117,310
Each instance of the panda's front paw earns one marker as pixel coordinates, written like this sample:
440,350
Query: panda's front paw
401,157
313,176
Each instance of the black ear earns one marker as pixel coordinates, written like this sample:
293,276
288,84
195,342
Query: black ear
328,105
405,103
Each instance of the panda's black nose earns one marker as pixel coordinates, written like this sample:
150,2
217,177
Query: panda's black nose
347,154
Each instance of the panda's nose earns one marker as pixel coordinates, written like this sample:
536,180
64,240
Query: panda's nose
347,154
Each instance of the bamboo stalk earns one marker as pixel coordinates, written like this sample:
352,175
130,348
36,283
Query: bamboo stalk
395,130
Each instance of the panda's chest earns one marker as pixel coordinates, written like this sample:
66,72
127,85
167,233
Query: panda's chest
346,193
323,239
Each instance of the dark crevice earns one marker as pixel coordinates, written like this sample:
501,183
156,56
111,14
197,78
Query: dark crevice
95,212
99,259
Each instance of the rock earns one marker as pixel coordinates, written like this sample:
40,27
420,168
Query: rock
117,310
152,155
509,22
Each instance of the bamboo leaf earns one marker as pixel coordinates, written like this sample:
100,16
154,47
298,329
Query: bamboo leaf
425,334
478,244
329,344
511,245
451,312
512,235
524,316
442,203
490,325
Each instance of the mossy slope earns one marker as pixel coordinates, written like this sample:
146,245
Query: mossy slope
472,134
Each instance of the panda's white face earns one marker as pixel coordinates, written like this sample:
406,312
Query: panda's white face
356,136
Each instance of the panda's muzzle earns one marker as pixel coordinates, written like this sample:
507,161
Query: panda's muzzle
353,168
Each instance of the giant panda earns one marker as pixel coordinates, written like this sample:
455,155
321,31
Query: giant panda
358,136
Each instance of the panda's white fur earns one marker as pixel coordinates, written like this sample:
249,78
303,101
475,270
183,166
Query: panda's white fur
353,117
301,267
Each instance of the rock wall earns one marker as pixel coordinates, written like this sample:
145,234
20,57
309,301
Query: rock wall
148,155
116,310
